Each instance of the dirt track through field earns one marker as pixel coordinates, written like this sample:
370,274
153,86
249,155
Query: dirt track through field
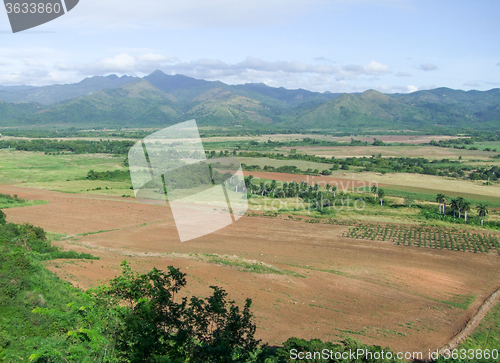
473,323
377,292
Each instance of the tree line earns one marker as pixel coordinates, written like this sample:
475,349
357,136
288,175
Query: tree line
50,146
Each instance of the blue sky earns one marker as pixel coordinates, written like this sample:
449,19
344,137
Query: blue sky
320,45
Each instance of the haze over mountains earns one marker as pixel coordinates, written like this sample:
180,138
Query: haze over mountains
159,100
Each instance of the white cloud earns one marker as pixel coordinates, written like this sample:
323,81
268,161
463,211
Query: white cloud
351,71
31,65
376,68
121,63
318,75
203,68
403,74
411,88
428,67
472,84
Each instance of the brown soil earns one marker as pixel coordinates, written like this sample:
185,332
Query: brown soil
377,292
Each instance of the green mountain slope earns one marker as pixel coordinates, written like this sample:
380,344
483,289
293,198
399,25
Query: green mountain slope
48,95
11,113
289,97
136,104
160,100
446,100
375,110
219,107
370,109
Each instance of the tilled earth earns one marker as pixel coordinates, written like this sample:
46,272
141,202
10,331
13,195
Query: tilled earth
407,298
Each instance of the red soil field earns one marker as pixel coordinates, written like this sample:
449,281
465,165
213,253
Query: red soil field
376,292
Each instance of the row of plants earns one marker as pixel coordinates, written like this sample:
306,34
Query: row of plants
429,237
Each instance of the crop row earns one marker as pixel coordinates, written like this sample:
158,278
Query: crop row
437,238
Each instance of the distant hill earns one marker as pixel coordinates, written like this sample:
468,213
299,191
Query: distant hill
138,103
159,99
9,111
48,95
373,109
468,105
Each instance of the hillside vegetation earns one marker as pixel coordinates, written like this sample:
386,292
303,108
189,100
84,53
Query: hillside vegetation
159,100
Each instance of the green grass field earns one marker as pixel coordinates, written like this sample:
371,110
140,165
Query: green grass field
65,173
7,201
425,194
31,167
488,144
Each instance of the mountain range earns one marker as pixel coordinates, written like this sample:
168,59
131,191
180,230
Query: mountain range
159,100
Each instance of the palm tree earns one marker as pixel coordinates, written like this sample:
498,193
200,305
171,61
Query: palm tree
381,194
249,183
273,187
441,199
461,205
466,208
457,204
454,206
482,210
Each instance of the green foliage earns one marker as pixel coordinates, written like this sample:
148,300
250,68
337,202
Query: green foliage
444,167
70,146
115,175
37,310
409,202
317,351
428,237
9,201
152,324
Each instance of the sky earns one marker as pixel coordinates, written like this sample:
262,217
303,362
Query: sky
393,46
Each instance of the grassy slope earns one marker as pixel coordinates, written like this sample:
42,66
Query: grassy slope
13,203
487,334
25,284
